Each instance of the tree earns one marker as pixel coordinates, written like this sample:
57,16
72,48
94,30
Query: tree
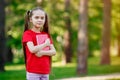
82,38
105,48
2,35
67,35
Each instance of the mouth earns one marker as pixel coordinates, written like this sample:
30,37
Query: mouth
39,23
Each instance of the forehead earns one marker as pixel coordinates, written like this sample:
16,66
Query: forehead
38,13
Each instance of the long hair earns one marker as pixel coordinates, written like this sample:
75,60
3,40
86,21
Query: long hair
29,15
27,24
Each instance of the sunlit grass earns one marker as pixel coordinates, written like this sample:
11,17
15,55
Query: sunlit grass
95,68
115,61
61,64
59,70
14,67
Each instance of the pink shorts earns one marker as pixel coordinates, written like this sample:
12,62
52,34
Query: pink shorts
34,76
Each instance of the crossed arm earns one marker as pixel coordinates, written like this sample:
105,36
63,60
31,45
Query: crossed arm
37,50
50,52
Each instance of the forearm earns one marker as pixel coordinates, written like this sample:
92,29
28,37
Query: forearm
48,53
35,49
38,48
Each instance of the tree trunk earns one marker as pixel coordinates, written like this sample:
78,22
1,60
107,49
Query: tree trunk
82,38
105,52
2,35
9,55
67,35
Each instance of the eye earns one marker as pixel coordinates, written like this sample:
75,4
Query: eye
36,17
42,17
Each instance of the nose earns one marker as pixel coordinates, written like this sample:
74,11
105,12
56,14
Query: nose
40,20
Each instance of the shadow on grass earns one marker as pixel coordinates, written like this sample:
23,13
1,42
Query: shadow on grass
94,69
13,72
62,72
17,72
13,75
70,72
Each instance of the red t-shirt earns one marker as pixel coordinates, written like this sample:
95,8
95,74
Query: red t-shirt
36,64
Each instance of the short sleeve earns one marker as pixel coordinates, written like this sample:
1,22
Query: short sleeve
26,37
51,42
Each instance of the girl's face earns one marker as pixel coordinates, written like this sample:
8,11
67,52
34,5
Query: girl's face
38,18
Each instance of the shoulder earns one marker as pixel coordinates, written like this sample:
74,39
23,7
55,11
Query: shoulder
28,32
27,36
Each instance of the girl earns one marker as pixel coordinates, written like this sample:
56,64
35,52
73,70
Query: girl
37,45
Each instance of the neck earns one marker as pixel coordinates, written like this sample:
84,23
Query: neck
36,30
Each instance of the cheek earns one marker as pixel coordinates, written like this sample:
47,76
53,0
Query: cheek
32,20
43,21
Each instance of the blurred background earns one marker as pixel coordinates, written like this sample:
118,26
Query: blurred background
86,35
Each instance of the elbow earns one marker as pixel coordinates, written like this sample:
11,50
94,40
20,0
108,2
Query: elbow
54,53
32,50
31,47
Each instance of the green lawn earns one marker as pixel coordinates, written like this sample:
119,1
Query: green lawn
17,72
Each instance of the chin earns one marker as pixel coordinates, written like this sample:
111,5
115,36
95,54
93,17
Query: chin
38,26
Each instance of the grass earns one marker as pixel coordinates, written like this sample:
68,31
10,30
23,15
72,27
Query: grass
13,72
96,68
17,71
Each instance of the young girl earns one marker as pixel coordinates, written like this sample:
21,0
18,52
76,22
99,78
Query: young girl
37,45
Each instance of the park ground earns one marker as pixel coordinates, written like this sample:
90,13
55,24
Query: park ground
114,76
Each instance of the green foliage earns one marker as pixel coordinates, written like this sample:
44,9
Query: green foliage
55,9
94,26
115,19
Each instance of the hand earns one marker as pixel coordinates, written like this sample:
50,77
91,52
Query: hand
38,54
47,42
